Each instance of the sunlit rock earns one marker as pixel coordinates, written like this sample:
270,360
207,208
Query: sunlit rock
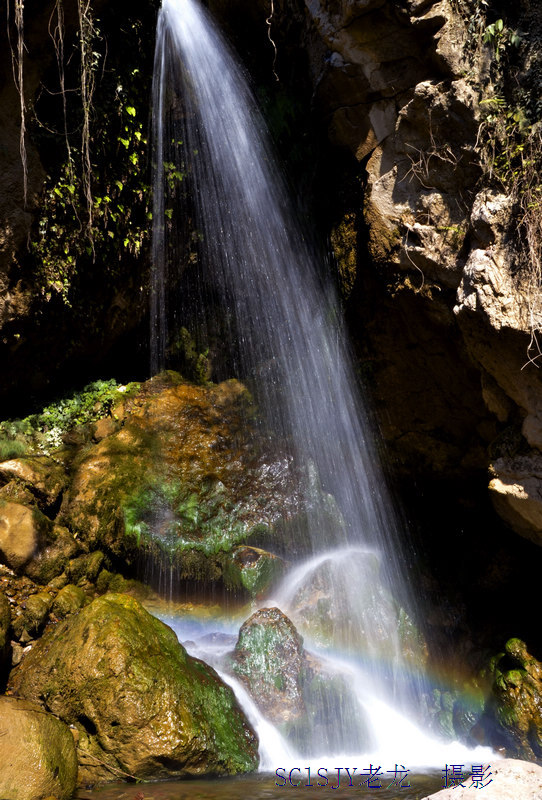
37,753
501,780
184,482
141,706
516,704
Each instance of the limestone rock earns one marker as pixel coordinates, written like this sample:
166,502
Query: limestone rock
37,753
140,704
510,780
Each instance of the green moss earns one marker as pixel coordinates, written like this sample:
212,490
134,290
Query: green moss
43,432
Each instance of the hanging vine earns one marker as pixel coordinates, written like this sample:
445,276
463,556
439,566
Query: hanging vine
57,36
268,22
17,60
87,34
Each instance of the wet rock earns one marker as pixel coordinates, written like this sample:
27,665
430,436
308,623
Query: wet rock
516,703
85,567
31,543
43,476
140,704
253,569
269,659
343,599
510,780
312,704
37,753
182,481
69,600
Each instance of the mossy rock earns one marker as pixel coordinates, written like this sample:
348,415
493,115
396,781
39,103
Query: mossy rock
5,646
141,705
32,544
312,706
268,658
85,567
184,474
515,705
37,753
69,600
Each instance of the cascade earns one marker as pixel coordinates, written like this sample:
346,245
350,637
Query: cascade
288,342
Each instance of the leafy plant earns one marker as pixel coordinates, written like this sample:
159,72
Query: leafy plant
43,432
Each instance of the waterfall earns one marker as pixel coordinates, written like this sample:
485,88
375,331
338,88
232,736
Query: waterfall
288,341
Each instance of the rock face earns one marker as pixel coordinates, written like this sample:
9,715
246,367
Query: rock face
37,753
141,706
179,477
510,780
517,701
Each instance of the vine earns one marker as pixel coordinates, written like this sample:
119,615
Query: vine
17,61
89,61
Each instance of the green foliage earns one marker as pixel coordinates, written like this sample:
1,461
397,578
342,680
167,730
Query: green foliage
43,432
188,359
95,210
499,37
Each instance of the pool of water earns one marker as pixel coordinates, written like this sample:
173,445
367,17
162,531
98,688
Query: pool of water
263,786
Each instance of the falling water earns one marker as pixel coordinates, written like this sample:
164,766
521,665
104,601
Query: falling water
288,340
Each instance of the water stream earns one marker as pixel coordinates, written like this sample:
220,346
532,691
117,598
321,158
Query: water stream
287,339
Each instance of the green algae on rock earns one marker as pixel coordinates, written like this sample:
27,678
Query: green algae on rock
182,480
516,702
142,707
269,659
37,753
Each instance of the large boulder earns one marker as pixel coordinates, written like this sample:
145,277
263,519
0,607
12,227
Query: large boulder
37,753
313,705
180,477
269,659
516,702
141,706
503,780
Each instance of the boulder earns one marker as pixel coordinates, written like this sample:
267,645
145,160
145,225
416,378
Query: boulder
141,706
510,780
269,659
313,706
32,544
516,702
44,477
183,481
37,753
69,600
